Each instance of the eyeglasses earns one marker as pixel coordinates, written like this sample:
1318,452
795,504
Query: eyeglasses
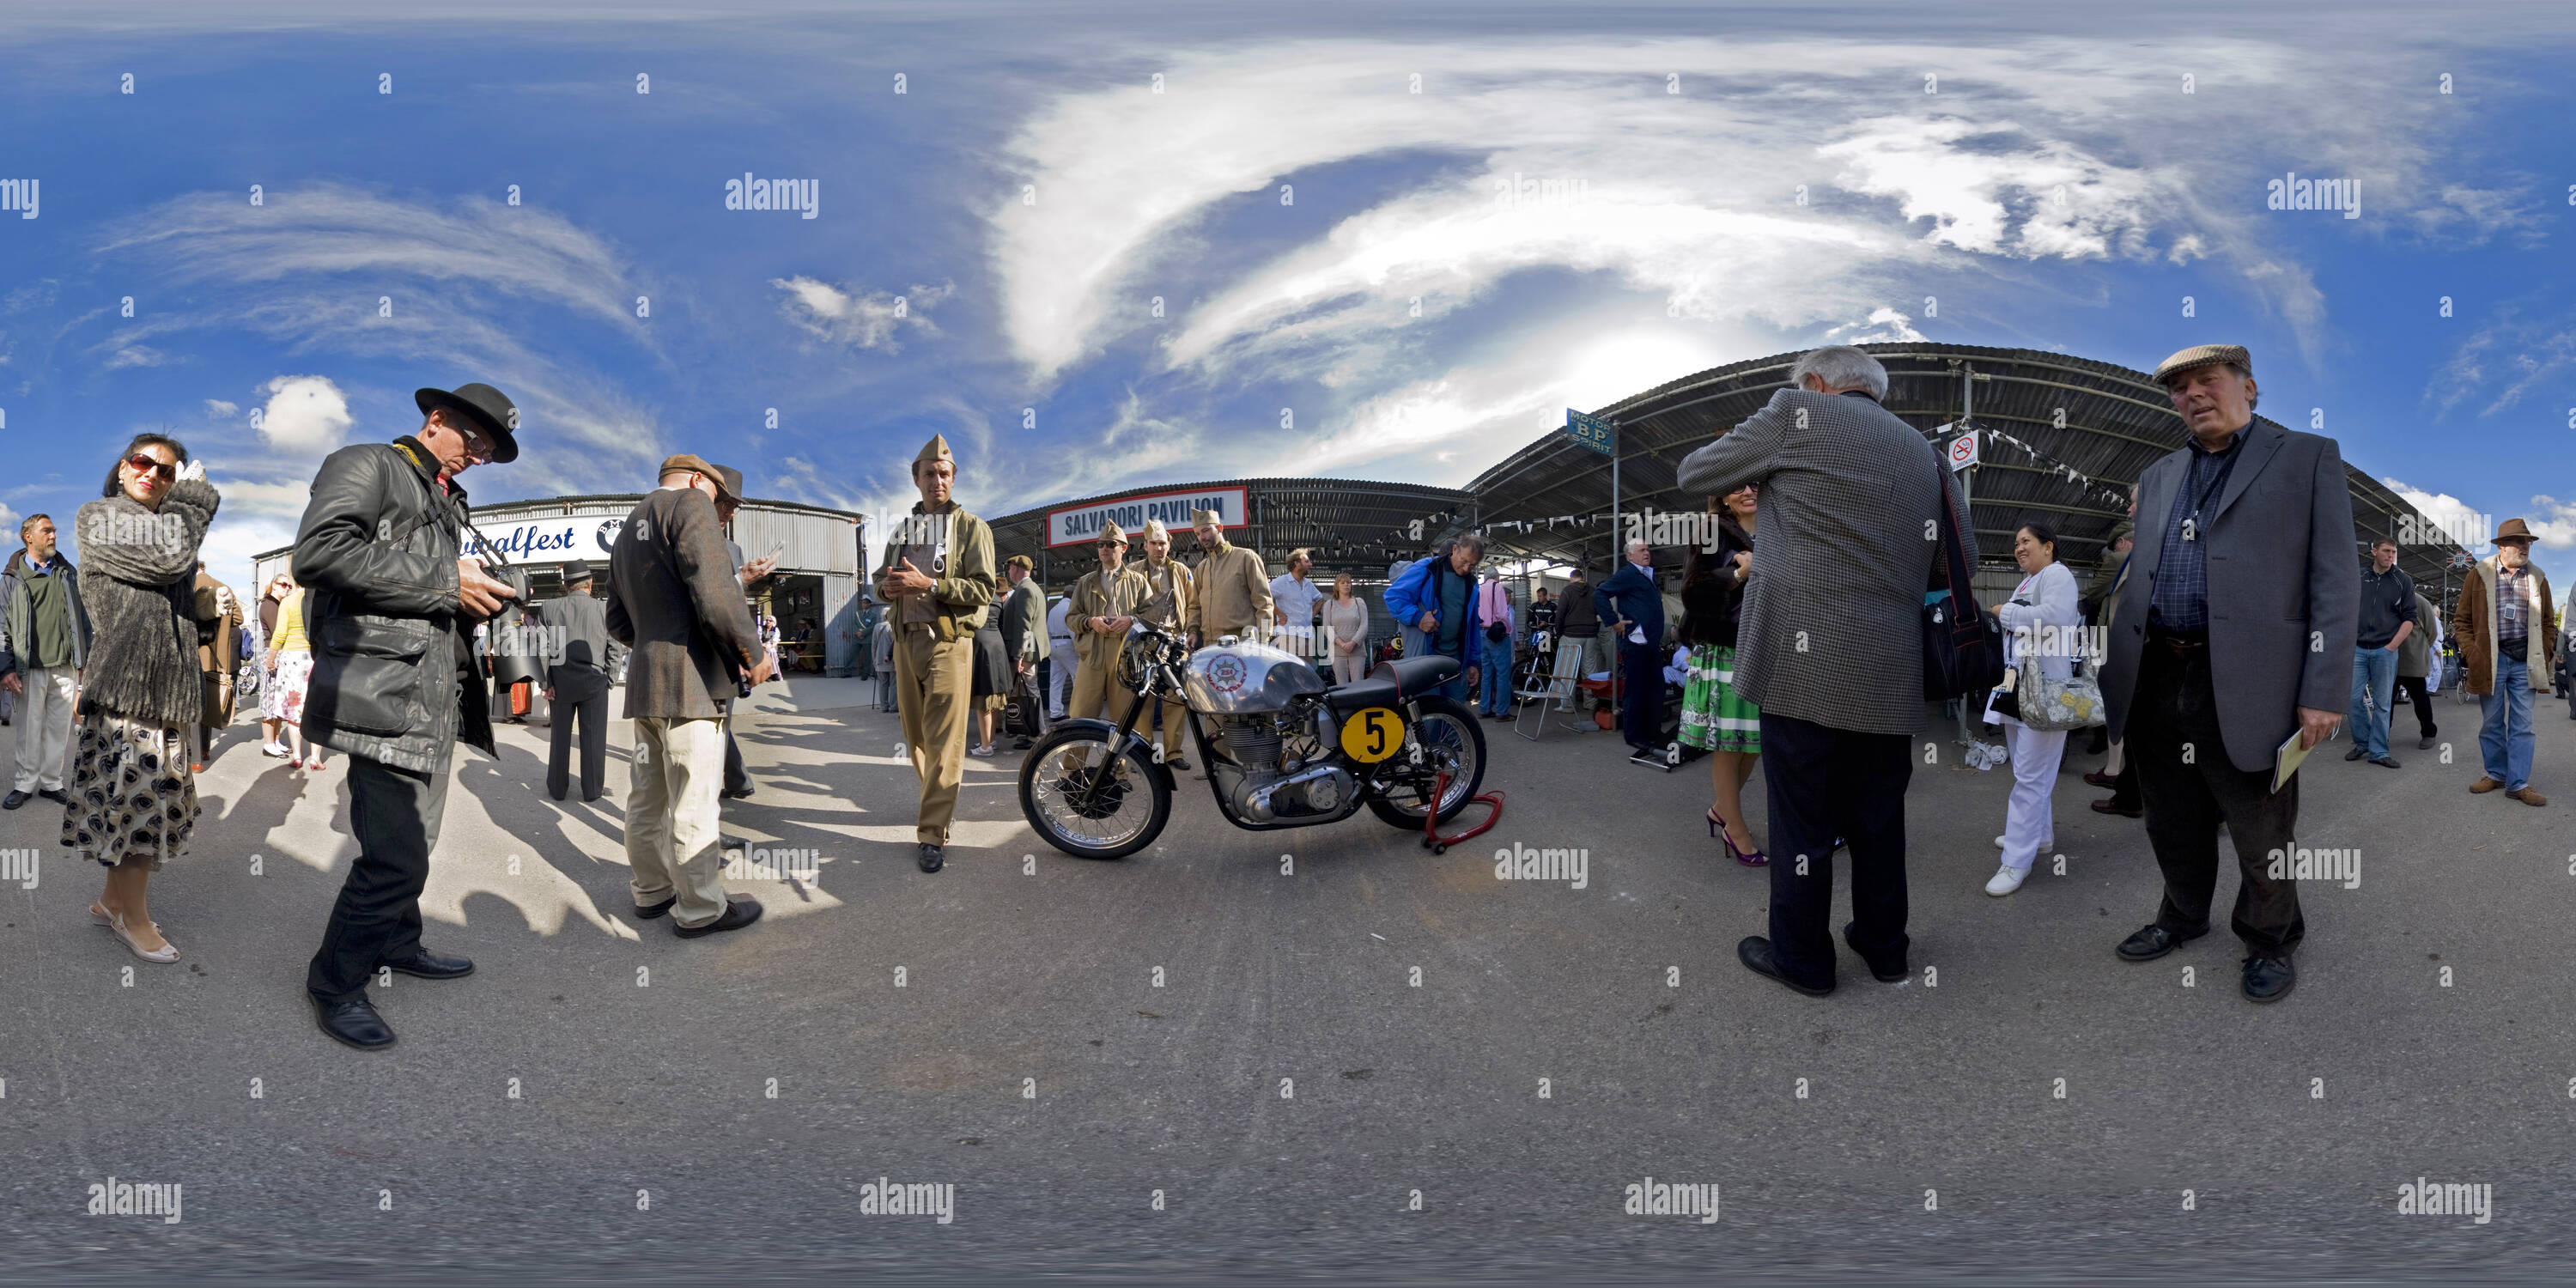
142,463
476,444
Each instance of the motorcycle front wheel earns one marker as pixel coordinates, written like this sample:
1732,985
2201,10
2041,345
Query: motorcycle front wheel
1090,799
1451,738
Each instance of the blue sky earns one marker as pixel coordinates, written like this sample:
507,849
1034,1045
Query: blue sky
1324,241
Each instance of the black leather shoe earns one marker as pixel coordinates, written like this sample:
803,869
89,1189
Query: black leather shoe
15,799
2269,979
2389,762
2153,941
1179,764
1755,953
2356,753
740,910
353,1023
56,795
743,794
2425,743
933,857
429,965
2112,805
1022,745
650,911
1882,976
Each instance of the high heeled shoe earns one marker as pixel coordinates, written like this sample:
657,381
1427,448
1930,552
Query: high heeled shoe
1717,828
167,953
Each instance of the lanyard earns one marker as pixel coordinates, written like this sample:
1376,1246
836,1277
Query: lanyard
2216,486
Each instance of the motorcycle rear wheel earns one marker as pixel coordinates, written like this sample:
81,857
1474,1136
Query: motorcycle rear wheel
1107,810
1448,732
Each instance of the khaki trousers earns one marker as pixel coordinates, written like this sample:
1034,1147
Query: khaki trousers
934,693
672,846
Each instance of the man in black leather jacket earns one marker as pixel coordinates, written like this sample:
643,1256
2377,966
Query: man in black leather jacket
395,683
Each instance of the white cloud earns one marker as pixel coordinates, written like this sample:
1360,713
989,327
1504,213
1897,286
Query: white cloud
2039,148
219,408
859,319
2553,522
2449,514
305,414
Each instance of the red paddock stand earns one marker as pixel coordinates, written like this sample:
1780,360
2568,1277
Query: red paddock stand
1493,802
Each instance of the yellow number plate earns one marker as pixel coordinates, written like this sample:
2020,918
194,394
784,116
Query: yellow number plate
1372,734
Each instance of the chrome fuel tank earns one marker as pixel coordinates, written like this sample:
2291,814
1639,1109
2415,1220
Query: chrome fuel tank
1247,679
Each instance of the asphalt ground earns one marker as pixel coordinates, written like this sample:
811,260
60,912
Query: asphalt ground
694,1110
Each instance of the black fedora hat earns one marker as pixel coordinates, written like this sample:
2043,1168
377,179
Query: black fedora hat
576,572
489,409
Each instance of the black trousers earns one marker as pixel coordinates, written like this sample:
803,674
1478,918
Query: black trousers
2412,686
1641,678
581,694
394,814
2188,785
1826,783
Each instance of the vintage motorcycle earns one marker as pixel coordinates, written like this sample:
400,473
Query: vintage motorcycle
1282,748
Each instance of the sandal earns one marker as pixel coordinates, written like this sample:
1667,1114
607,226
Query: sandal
1717,828
168,952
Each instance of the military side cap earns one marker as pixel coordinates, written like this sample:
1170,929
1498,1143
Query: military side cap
934,450
1110,532
2205,355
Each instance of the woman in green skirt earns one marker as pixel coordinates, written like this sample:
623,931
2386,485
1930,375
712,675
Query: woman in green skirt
1715,716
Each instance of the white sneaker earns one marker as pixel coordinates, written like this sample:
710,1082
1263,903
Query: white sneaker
273,749
2006,880
985,750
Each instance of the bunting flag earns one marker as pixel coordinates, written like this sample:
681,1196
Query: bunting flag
2093,487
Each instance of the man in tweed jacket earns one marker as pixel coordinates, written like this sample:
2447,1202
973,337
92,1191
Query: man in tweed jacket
1831,648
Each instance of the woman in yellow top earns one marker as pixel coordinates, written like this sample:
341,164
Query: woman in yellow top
290,672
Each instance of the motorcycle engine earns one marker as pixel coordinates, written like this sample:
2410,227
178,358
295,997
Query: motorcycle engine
1261,784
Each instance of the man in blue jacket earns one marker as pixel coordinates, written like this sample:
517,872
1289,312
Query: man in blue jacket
1632,607
1434,603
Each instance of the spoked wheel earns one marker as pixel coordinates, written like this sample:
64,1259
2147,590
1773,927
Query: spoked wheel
1090,799
1451,739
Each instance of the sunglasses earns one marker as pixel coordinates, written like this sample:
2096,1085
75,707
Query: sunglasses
143,464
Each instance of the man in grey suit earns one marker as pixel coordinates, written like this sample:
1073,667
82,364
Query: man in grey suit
577,646
674,599
1830,647
2234,632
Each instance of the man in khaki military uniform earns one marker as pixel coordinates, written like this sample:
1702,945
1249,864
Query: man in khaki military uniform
1098,612
1233,587
937,579
1170,594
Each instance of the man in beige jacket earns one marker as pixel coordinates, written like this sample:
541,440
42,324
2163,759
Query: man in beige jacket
1098,612
1171,593
937,580
1233,586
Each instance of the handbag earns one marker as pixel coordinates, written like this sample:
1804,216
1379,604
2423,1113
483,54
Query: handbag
1962,650
2052,705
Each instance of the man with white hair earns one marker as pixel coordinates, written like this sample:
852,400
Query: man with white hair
1830,647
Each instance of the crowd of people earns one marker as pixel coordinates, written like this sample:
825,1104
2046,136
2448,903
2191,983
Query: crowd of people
2218,638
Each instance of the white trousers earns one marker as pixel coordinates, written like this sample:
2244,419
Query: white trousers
2030,818
44,723
1060,677
672,846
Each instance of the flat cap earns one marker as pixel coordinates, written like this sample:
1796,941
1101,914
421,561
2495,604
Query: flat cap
685,461
1020,561
2205,355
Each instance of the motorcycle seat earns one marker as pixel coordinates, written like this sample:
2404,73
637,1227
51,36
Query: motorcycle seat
1398,681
